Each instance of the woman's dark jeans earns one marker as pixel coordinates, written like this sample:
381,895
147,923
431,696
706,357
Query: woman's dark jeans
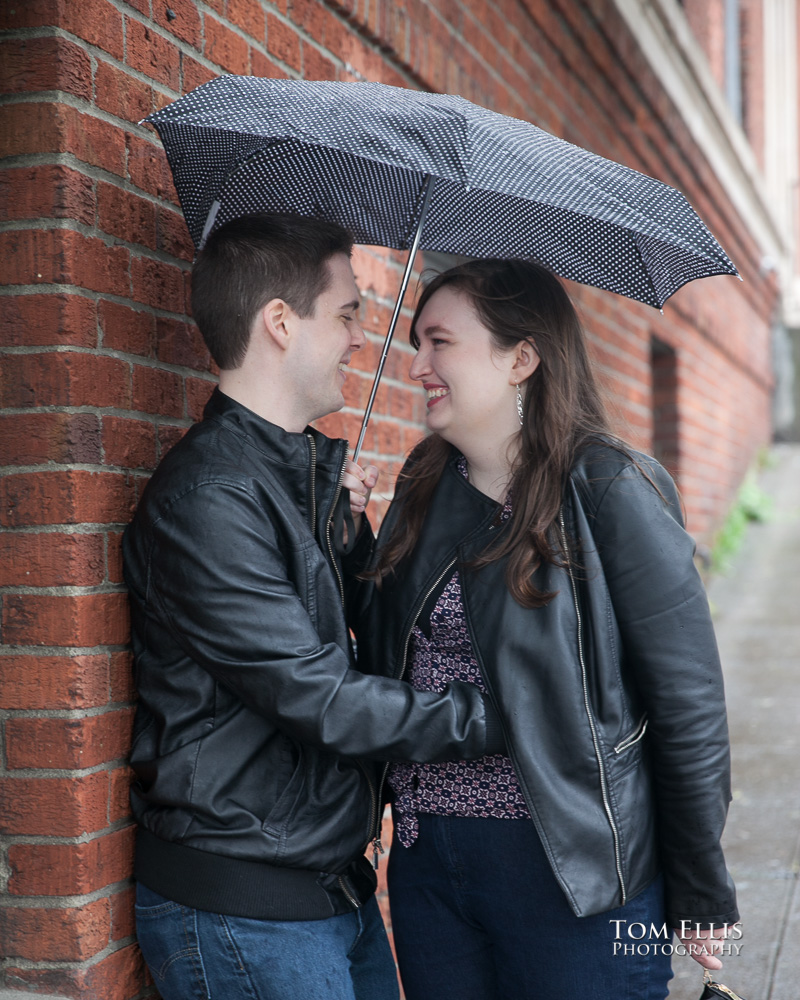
478,915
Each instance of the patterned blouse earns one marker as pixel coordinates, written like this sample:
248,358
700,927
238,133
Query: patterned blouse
484,787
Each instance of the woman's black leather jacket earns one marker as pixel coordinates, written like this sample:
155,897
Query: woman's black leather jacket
255,738
611,695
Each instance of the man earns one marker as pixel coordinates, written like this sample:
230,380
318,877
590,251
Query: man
255,790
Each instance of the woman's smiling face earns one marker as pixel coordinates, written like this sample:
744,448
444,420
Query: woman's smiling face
470,385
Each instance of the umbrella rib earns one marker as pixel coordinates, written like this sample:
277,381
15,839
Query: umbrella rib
426,199
216,204
646,269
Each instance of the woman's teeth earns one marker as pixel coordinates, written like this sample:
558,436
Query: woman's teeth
435,393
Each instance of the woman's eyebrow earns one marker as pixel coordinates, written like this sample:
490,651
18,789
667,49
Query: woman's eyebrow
435,328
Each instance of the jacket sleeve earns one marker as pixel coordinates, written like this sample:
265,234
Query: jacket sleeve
670,650
219,579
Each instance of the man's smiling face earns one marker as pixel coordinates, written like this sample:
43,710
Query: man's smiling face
326,340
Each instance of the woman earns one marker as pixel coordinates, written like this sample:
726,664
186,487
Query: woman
530,552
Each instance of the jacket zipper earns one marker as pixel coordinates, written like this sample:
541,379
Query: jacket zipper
377,846
313,445
373,796
636,735
590,717
351,899
328,538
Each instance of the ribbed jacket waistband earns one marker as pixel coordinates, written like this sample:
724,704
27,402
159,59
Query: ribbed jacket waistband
241,888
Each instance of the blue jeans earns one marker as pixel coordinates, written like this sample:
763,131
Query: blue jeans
477,914
197,955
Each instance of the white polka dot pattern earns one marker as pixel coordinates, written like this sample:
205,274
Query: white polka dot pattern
359,153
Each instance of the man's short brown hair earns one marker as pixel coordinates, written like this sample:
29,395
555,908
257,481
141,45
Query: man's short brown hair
251,260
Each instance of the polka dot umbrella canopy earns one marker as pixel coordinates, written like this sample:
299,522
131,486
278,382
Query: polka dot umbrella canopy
407,169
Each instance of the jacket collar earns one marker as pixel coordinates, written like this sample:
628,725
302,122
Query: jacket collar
309,472
277,444
459,519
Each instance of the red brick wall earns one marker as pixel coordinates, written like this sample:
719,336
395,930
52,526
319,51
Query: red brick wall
103,370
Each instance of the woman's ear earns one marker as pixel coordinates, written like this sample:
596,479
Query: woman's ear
526,361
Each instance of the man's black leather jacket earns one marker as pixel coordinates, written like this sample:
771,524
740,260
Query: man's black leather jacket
255,736
611,695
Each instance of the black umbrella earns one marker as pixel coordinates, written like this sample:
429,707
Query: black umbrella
407,169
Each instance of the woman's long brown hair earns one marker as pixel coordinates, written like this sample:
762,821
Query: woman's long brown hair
516,300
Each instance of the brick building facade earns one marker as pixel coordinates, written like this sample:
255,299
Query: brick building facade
103,369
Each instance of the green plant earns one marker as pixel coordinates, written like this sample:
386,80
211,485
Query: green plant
751,504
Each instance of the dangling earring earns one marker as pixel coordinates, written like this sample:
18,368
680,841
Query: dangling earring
520,411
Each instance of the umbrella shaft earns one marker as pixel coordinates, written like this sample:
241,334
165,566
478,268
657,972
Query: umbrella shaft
427,192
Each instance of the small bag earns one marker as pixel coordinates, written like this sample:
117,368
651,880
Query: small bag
716,991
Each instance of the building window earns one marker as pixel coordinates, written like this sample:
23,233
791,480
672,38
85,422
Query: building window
663,362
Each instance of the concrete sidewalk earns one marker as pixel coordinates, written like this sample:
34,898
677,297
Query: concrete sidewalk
757,616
